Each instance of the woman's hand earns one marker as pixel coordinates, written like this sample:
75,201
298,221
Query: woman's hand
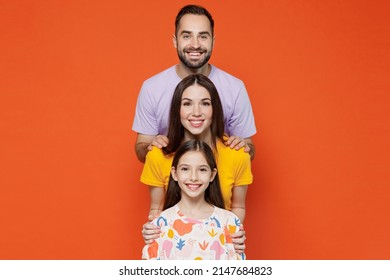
150,232
238,239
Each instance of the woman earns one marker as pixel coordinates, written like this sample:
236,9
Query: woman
196,113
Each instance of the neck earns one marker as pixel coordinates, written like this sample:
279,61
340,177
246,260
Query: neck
205,137
195,208
183,71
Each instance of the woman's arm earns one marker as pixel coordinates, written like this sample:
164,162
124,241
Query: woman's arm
151,232
157,195
238,208
238,201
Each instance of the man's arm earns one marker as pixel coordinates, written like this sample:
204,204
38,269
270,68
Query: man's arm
235,142
144,144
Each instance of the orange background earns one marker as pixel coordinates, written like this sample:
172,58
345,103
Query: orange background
317,75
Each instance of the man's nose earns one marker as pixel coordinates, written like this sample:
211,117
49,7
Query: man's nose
195,42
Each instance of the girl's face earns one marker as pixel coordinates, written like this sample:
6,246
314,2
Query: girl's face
196,111
193,174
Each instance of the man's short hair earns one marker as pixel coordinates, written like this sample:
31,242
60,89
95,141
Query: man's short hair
194,10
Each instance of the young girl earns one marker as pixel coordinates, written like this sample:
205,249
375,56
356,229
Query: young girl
194,224
196,113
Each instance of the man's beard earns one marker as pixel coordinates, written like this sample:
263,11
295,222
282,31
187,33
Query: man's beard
191,64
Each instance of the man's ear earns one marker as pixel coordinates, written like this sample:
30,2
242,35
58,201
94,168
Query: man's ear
174,41
173,173
213,174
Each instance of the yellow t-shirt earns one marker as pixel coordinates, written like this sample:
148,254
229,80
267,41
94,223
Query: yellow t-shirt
234,169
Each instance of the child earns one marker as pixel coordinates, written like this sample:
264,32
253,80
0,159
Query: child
194,223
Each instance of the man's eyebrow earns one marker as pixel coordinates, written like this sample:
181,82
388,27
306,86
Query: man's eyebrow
190,32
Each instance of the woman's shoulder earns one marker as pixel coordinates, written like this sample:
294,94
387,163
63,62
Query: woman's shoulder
156,154
227,152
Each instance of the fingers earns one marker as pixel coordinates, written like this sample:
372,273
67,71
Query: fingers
159,141
239,244
239,248
235,142
150,232
238,239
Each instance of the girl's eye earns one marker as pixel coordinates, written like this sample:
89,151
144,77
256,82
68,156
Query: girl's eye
204,169
186,104
184,169
206,103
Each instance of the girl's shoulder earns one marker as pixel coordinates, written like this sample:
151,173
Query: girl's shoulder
228,216
166,216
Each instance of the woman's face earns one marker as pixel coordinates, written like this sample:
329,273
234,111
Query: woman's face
196,111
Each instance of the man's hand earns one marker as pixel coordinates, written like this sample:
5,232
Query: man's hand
145,142
150,232
158,141
235,142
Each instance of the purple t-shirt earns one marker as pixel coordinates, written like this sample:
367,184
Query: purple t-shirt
154,102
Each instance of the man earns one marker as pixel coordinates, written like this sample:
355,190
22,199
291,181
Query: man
194,41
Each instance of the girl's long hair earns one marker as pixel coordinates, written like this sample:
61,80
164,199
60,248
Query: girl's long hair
213,194
176,129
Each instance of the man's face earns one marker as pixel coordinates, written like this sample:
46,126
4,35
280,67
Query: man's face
194,40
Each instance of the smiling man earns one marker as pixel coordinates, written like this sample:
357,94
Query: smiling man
194,42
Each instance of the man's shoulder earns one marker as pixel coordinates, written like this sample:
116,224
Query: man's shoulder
161,77
219,74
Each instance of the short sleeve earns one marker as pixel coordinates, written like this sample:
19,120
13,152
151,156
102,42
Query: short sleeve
242,121
243,169
156,169
145,120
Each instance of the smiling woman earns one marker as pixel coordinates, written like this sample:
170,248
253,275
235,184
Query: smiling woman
196,113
